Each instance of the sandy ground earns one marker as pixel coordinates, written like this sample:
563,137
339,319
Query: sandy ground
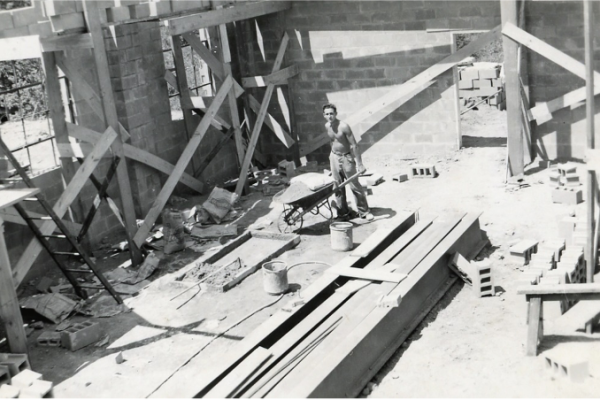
466,347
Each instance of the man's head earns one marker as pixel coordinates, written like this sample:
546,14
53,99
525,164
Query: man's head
329,112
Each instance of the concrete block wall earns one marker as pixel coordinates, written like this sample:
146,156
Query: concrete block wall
559,24
351,53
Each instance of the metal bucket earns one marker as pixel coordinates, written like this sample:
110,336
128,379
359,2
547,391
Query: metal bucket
275,277
341,236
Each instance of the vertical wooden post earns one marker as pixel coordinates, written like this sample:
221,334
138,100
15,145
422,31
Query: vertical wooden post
57,115
92,16
508,9
590,255
184,89
10,312
233,105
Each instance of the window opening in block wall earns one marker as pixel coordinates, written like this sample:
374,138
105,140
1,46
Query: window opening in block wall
24,121
480,88
199,77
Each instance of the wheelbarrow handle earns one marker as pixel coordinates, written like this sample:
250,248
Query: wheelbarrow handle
347,181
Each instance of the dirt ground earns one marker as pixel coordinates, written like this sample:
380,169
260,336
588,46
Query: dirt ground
466,347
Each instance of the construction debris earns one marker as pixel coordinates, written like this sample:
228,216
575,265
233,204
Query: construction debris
54,306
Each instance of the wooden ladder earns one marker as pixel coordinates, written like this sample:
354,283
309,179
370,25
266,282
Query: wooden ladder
64,234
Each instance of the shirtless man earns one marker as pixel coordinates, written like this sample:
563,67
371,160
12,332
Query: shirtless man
345,161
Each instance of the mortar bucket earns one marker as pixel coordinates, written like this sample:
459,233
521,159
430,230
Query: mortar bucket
275,277
341,236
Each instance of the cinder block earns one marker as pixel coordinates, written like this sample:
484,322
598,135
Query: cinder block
563,365
423,171
49,339
158,8
15,362
39,389
522,251
139,11
567,168
81,335
483,279
554,177
68,22
117,14
56,7
567,196
400,177
497,83
25,17
42,28
482,83
469,73
465,84
6,20
9,392
4,375
489,73
25,378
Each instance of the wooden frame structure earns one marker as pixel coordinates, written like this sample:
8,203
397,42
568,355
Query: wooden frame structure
73,18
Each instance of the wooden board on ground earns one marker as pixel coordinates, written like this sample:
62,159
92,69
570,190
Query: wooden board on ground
214,231
254,248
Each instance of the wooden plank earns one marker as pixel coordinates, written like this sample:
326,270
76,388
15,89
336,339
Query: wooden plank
277,78
370,275
535,323
182,163
587,291
272,123
238,12
260,118
62,204
366,247
10,311
171,79
20,48
138,155
313,299
76,150
542,112
237,377
67,42
551,53
11,215
364,350
14,196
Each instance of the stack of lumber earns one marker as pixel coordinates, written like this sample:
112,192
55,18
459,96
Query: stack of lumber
350,321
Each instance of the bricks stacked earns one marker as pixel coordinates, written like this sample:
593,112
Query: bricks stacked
565,183
27,384
482,80
522,251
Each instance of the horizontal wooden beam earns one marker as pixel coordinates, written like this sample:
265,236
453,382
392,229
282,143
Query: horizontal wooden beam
11,215
560,290
138,155
67,42
277,78
238,12
76,150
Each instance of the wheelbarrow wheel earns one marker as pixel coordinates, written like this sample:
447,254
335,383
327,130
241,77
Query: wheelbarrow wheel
290,221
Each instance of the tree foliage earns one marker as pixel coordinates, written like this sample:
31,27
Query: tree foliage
492,52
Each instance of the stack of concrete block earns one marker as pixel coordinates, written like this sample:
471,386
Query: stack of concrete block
566,228
522,251
564,180
580,236
14,362
543,261
482,80
27,384
422,171
287,168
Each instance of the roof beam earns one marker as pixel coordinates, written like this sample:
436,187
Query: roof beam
179,26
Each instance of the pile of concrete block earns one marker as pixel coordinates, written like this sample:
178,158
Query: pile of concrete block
27,384
565,182
482,80
479,275
17,380
521,252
